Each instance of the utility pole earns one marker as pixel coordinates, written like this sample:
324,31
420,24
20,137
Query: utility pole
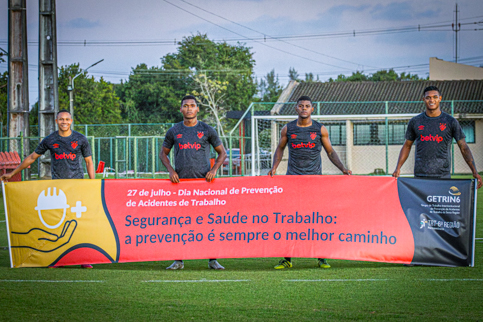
48,85
18,89
456,26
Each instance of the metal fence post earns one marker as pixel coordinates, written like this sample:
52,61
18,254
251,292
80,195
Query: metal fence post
135,148
452,143
153,156
387,138
21,153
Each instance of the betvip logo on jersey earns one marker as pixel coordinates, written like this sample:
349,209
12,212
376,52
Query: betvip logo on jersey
313,135
442,126
74,144
200,135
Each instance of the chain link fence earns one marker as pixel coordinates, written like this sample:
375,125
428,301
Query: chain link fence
367,136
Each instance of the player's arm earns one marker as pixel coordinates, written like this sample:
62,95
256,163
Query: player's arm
278,155
163,155
218,162
468,156
90,167
25,164
403,155
333,157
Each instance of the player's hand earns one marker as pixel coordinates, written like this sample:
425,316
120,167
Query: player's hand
272,172
347,172
5,177
173,176
396,173
480,183
210,175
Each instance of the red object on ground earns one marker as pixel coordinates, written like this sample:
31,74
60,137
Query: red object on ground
100,167
8,162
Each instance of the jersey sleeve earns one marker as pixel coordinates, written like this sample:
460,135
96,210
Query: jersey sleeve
214,139
458,133
42,147
86,148
169,139
410,134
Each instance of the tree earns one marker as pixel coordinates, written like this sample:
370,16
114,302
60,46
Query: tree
3,94
269,87
94,101
293,75
210,94
379,76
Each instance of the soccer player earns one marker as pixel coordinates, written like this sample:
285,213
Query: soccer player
305,138
66,149
433,132
192,140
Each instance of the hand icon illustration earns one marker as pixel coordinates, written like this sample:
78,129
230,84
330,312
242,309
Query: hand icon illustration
44,241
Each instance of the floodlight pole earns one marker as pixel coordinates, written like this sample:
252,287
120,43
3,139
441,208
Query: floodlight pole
70,88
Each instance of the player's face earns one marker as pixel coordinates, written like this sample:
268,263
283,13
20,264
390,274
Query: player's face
432,100
189,109
64,121
304,109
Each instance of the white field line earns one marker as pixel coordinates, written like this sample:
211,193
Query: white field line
2,220
387,279
195,281
49,281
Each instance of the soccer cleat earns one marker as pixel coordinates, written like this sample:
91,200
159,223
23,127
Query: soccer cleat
323,263
86,266
283,264
213,264
176,265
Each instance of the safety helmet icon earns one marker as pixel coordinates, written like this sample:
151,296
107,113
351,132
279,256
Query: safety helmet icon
46,201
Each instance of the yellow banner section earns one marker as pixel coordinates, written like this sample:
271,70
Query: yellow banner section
48,219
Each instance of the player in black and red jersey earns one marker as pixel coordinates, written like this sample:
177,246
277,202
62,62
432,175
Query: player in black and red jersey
433,131
305,139
67,149
192,140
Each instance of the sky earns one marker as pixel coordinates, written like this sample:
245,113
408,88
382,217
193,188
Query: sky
323,37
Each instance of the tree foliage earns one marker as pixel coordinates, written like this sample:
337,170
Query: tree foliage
379,76
94,101
155,93
269,87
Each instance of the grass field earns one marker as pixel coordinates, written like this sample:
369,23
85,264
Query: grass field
249,289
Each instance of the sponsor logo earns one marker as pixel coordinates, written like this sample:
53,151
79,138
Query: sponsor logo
189,146
74,144
421,127
313,135
430,137
200,135
55,145
303,145
293,136
442,126
432,224
454,191
179,136
70,156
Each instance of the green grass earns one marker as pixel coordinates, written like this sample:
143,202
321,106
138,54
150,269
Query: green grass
389,292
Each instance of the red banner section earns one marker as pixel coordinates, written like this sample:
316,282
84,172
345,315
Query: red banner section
339,217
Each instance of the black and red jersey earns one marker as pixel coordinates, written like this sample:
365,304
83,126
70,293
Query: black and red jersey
304,147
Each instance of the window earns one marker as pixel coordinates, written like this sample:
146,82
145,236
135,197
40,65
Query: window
375,133
468,128
337,134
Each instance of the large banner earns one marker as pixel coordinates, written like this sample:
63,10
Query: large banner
67,222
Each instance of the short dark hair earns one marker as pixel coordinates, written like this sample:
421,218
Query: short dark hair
304,98
431,88
189,97
62,111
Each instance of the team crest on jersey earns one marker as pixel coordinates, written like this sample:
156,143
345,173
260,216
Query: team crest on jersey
179,136
55,145
421,127
313,135
74,144
442,126
200,135
293,136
